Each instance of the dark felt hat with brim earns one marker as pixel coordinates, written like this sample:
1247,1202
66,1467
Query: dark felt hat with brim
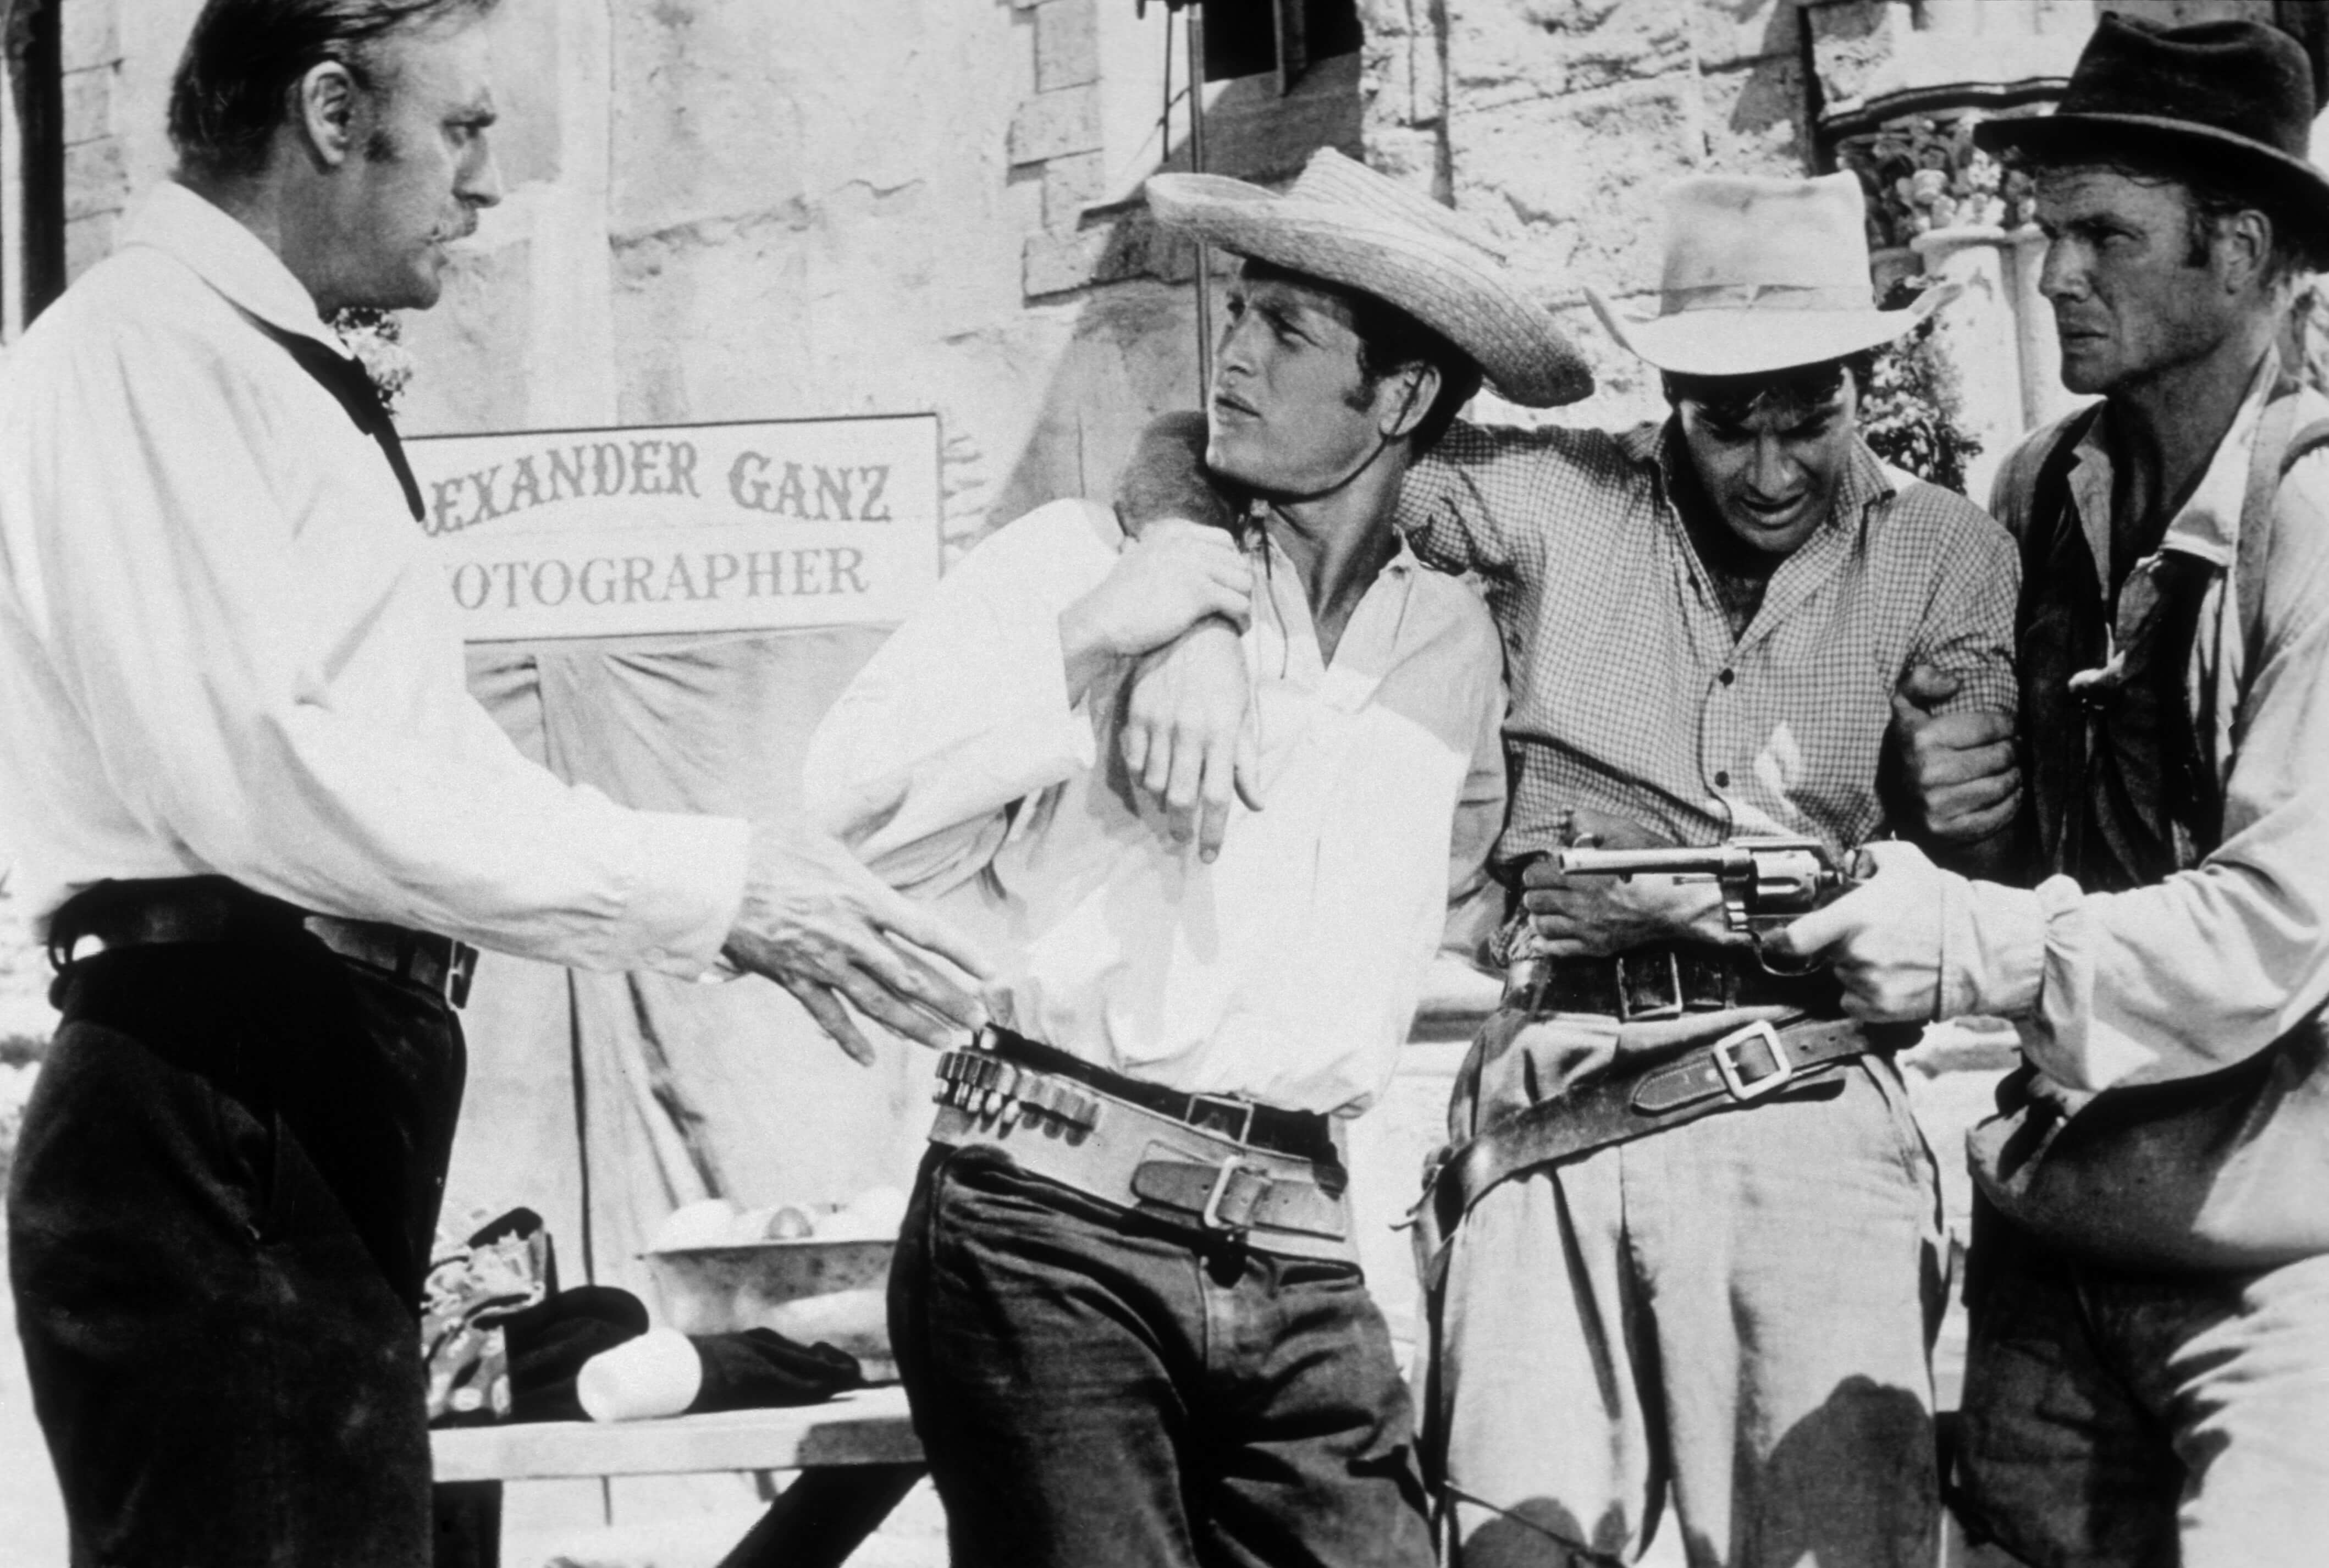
1345,223
2234,95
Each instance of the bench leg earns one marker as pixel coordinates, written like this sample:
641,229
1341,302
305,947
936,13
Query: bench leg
824,1515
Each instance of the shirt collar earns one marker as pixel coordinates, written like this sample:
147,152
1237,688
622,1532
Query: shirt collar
229,258
2208,525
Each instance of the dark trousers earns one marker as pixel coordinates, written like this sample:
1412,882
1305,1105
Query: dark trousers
219,1218
1093,1389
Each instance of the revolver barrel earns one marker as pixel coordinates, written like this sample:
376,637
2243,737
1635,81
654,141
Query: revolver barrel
1711,861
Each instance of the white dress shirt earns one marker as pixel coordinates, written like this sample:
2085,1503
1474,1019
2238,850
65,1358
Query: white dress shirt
225,648
2201,970
1289,970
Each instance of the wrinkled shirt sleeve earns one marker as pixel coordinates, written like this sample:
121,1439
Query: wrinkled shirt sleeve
209,698
965,711
1967,630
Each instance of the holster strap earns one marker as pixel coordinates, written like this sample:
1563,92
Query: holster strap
1735,1071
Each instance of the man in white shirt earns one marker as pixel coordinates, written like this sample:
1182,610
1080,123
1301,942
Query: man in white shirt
259,816
1126,1304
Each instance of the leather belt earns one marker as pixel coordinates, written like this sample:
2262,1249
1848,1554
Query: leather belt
1664,981
1085,1138
1740,1068
214,909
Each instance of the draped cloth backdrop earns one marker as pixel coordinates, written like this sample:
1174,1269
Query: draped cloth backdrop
605,1100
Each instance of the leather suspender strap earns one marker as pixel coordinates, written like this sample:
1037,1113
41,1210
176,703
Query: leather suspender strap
1737,1069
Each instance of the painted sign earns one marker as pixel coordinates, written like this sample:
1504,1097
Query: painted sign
666,528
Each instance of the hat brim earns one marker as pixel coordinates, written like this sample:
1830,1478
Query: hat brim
1460,292
2304,185
1746,341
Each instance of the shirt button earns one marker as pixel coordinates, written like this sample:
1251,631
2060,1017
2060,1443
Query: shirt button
1728,677
1722,780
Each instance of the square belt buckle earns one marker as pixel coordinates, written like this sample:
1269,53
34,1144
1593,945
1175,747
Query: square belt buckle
1211,1217
1726,1061
1239,1112
1662,973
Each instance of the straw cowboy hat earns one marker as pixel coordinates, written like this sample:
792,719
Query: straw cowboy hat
2236,94
1763,275
1344,222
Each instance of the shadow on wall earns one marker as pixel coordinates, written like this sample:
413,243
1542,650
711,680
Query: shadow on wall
1132,352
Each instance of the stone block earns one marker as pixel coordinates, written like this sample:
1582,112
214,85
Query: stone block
1579,183
1393,18
1403,67
1411,155
1131,247
1067,43
1050,123
1852,41
1062,263
1729,31
90,35
97,178
88,241
1756,119
1071,183
1503,51
88,103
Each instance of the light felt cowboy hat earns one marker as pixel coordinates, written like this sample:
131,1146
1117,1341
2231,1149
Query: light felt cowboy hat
1344,222
2236,94
1763,275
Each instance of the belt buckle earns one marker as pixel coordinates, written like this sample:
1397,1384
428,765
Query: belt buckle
1211,1219
1727,1063
460,968
1241,1109
1672,1008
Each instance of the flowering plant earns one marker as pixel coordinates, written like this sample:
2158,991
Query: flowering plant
1920,174
1909,415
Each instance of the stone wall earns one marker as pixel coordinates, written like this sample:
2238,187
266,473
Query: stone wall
1556,123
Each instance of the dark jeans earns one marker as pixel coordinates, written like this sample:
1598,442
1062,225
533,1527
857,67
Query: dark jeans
2114,1419
218,1219
1093,1389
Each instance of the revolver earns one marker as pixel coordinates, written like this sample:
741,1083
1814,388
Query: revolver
1767,880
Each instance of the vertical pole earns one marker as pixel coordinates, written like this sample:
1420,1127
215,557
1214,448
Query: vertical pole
1197,165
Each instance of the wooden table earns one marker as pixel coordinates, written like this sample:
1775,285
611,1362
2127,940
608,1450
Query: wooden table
857,1457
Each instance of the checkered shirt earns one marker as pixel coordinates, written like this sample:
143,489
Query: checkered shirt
1629,695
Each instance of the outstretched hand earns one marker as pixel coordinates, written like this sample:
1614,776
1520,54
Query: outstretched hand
818,923
1955,775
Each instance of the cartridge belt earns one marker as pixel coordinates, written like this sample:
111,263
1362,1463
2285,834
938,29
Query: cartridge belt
1086,1137
1661,981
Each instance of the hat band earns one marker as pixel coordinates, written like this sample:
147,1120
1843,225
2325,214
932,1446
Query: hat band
1765,297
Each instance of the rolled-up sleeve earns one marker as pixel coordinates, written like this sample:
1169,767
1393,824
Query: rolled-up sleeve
1967,628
